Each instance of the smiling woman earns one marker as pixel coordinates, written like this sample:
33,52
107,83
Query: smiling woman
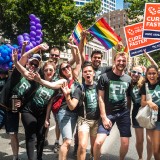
152,78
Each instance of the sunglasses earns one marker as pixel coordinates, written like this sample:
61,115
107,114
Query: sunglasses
54,55
49,69
34,64
66,67
136,72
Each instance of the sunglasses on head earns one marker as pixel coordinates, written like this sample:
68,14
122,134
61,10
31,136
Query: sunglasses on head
66,67
136,72
54,55
34,64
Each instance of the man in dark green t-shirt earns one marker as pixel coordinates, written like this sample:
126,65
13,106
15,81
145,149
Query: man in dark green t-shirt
114,104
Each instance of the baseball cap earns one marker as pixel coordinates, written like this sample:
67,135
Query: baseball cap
35,57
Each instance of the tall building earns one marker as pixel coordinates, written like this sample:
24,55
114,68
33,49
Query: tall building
107,5
126,5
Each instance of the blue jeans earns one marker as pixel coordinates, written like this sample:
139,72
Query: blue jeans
67,121
2,118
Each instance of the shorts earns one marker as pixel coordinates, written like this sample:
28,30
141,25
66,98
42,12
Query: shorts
86,125
123,121
157,126
2,118
67,121
135,123
12,122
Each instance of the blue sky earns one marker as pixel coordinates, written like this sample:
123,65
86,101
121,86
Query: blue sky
119,4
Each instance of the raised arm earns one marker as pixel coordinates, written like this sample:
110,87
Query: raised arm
24,58
52,85
71,102
72,60
150,58
19,67
77,68
81,45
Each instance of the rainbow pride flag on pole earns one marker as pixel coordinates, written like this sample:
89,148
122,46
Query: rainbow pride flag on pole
76,34
104,33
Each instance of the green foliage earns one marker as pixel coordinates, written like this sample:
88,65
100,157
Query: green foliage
58,18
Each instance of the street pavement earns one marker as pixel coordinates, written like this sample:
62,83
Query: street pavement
110,149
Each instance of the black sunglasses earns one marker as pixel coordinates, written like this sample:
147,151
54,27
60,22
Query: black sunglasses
33,64
54,55
66,67
136,72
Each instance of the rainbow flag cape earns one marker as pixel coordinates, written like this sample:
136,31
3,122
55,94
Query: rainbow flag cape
104,33
76,34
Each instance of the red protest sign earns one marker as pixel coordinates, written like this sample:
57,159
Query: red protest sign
136,43
151,22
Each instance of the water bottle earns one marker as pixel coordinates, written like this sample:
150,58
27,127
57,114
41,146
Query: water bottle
154,116
14,107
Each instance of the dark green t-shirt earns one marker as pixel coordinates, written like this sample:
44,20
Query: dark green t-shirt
116,89
89,108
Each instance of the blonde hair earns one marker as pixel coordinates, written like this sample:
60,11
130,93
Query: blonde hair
120,54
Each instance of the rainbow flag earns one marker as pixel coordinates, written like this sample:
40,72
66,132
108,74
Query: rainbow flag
104,33
76,34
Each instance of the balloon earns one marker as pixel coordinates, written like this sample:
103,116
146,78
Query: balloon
9,50
26,38
32,34
32,28
1,60
19,56
19,37
27,47
15,46
32,23
38,38
25,34
38,42
32,39
38,32
34,43
4,53
6,59
38,26
31,45
37,20
10,46
10,65
32,16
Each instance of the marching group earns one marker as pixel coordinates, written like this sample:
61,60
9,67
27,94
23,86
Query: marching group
92,107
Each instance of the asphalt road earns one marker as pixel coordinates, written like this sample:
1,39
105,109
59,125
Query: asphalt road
110,149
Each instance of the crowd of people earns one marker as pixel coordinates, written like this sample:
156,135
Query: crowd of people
89,106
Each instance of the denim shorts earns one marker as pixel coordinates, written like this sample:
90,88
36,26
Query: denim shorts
12,122
123,121
2,118
67,121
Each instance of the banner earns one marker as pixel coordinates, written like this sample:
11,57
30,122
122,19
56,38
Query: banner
136,44
151,22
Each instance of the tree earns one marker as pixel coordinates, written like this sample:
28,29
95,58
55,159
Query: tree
135,13
58,18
